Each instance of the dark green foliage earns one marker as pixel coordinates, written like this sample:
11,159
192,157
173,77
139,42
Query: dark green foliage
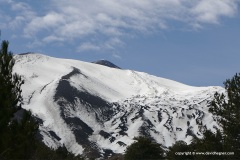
10,91
143,149
180,147
18,135
42,152
211,142
227,113
116,157
15,137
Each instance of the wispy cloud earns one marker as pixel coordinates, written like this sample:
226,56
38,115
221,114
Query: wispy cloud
114,19
15,14
88,46
109,44
210,11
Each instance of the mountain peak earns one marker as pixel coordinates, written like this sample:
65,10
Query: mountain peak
106,63
27,53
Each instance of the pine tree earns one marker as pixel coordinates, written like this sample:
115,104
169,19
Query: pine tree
143,149
18,136
179,147
10,86
211,142
10,103
226,110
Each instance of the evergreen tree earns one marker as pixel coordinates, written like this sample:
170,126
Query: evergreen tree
42,152
10,103
211,142
18,136
143,149
180,150
226,110
10,87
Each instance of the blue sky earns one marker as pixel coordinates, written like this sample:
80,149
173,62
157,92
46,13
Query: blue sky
196,42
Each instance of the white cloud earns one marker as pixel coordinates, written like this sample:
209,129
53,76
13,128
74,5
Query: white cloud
209,11
116,56
88,47
19,6
113,19
15,14
50,21
112,43
52,38
109,44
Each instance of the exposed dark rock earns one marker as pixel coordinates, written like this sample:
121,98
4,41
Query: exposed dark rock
189,116
121,143
103,111
146,127
107,153
112,139
81,130
53,134
190,132
104,134
22,54
200,115
44,87
168,123
75,71
97,104
123,124
159,116
106,63
138,114
178,129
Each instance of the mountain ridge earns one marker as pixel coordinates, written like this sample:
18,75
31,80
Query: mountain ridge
96,110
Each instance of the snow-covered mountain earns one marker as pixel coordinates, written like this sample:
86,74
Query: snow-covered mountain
96,110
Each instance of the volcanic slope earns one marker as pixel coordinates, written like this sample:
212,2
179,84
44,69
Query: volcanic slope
96,111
